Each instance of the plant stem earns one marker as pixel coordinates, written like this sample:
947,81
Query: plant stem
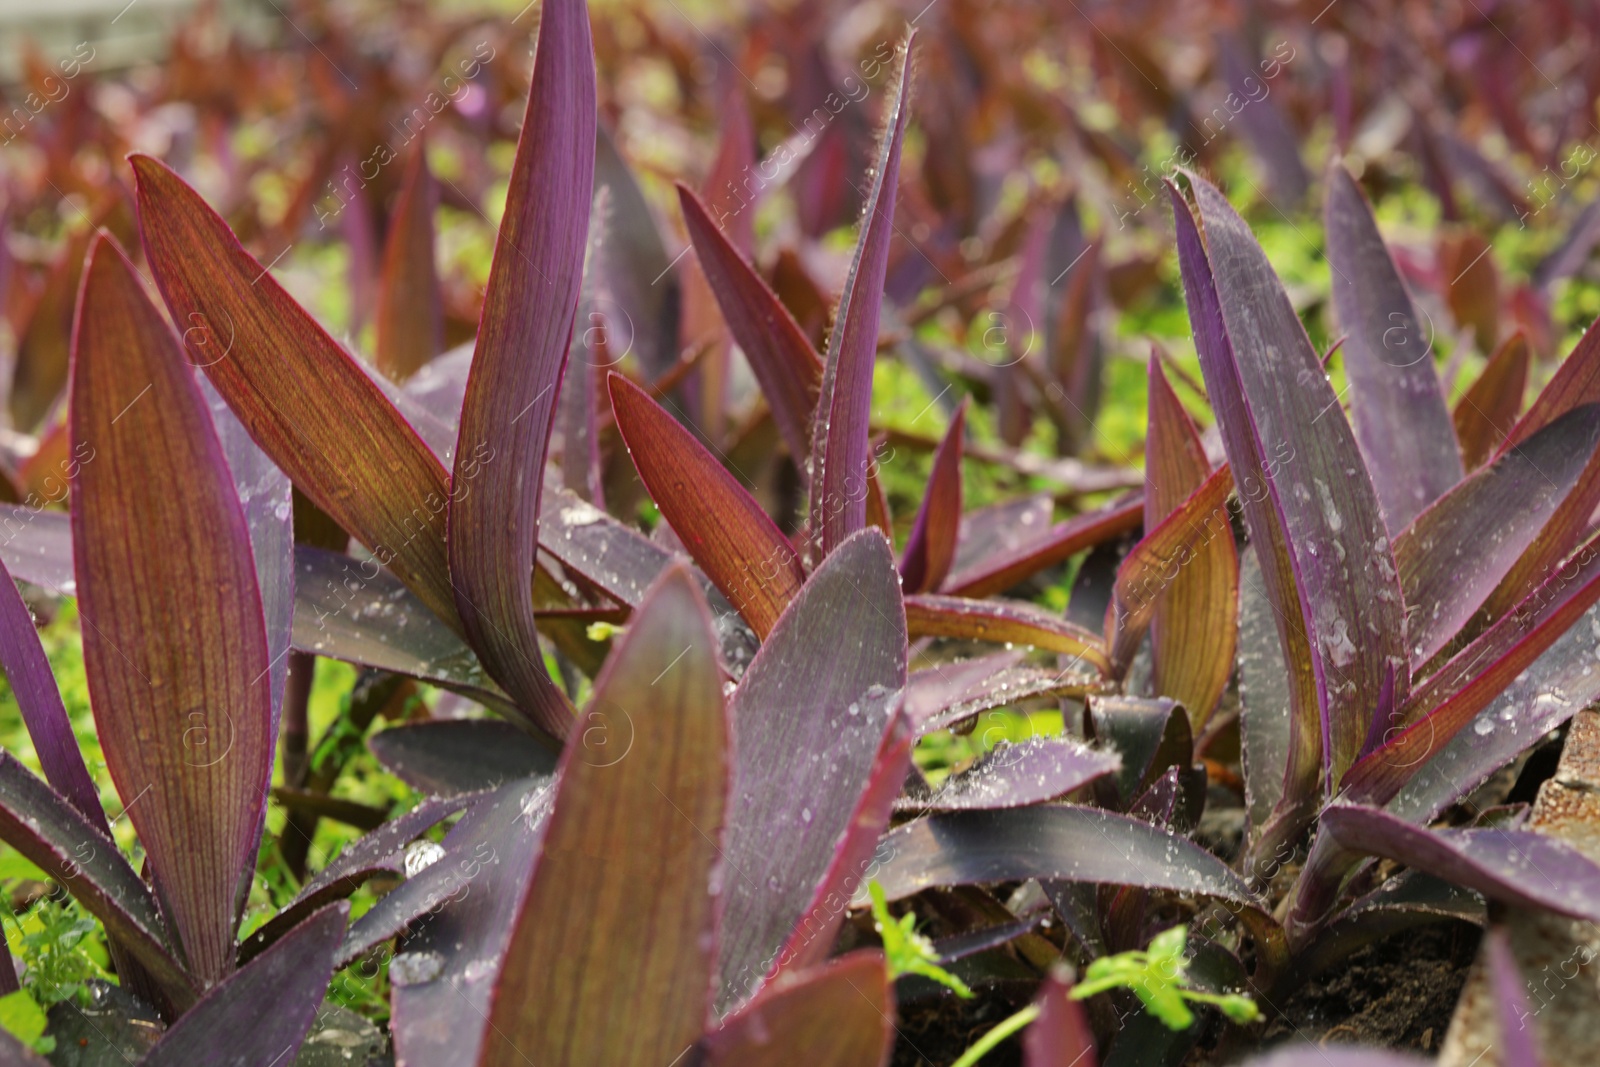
1002,1030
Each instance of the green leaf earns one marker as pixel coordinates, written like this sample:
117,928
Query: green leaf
22,1017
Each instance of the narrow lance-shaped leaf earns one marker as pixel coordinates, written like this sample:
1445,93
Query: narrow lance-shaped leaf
1148,576
259,1016
624,821
523,337
720,523
1401,422
931,548
1195,624
410,315
824,683
303,398
1488,410
1576,383
34,686
1513,1012
579,398
785,365
839,452
1308,502
1265,716
1002,622
639,273
1457,551
1004,569
1061,1036
840,1014
174,641
1523,868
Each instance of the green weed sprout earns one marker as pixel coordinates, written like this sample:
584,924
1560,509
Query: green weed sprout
909,952
1158,977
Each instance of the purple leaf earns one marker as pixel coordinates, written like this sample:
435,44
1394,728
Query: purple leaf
1513,1012
1334,1056
14,1053
782,359
353,610
932,689
28,673
578,398
1533,659
839,1014
1000,571
721,525
811,717
1061,842
42,825
454,756
619,560
636,270
440,387
1014,776
523,336
931,547
174,641
839,452
650,820
1402,425
1002,688
382,851
445,978
1456,552
995,621
37,547
1265,718
1523,868
258,1016
1308,502
1000,529
1262,121
1060,1036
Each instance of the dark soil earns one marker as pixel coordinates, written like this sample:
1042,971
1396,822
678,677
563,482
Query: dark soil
1399,993
934,1033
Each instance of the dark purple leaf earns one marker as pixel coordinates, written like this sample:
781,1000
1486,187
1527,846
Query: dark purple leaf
577,412
1150,735
1455,553
1334,1056
1401,422
931,546
782,359
28,673
258,1016
42,825
442,983
1522,868
381,851
1014,776
720,523
637,272
811,718
174,641
932,689
1061,842
460,756
619,560
1000,529
839,437
839,1014
440,387
353,610
523,337
1001,570
1308,503
1263,122
1265,716
650,820
1005,688
37,547
1533,660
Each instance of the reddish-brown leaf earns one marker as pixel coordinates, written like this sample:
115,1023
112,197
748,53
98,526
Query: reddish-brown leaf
629,860
931,548
1488,409
174,641
839,1014
410,319
738,546
303,398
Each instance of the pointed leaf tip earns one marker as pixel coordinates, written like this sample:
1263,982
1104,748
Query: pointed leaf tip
523,338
